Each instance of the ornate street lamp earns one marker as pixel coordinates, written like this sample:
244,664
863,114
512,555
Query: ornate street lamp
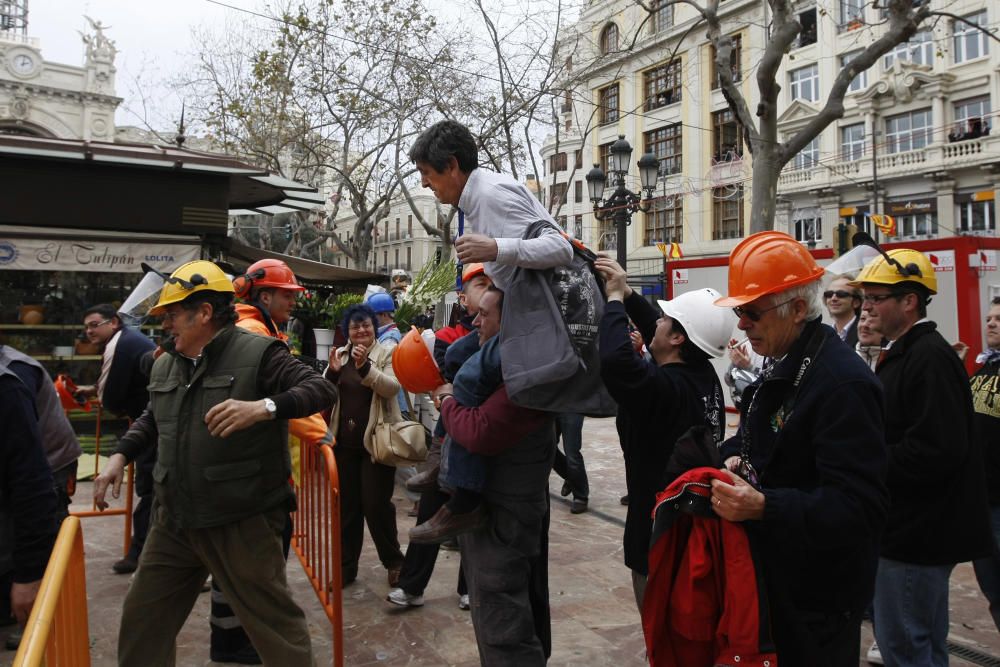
623,202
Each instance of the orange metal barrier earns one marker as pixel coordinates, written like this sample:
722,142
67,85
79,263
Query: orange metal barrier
57,633
316,536
129,489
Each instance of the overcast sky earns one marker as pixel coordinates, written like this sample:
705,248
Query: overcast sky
153,38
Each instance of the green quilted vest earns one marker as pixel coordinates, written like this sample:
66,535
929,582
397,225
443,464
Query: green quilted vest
202,480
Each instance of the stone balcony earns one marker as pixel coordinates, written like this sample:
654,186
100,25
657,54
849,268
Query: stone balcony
939,157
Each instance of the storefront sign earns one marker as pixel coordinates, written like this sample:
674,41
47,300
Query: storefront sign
942,260
680,276
913,207
67,255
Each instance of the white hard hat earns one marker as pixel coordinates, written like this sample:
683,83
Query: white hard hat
707,326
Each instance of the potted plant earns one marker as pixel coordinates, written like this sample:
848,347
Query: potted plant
317,312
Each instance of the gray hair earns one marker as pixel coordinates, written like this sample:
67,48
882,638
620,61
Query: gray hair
810,292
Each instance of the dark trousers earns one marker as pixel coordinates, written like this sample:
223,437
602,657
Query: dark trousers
508,584
144,489
570,465
818,639
366,497
418,566
228,638
244,558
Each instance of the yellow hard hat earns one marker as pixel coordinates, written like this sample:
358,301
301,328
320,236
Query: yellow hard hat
909,266
197,276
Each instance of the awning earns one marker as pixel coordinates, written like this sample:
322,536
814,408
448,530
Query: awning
306,270
235,186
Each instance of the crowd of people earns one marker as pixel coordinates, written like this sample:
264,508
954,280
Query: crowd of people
861,473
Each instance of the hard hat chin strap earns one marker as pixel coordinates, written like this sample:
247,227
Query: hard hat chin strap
196,279
910,270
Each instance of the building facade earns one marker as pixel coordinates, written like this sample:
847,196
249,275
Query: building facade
916,134
400,241
56,100
917,139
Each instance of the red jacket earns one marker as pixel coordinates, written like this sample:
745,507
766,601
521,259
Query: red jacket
704,605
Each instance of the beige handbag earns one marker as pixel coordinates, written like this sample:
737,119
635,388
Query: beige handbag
400,443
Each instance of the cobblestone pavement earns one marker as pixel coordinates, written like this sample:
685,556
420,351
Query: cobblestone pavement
594,620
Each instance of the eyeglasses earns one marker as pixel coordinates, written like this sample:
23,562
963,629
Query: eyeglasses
840,294
879,298
755,315
90,326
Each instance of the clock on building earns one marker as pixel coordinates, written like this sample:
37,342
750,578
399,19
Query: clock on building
22,63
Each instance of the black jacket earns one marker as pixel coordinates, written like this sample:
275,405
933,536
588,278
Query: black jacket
985,386
851,337
125,389
821,459
26,488
656,405
940,511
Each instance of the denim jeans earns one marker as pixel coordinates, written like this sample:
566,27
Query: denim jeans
911,613
570,466
460,468
988,571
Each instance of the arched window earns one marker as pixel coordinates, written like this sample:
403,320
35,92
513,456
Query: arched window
609,39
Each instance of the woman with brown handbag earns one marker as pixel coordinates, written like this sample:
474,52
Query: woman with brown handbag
362,371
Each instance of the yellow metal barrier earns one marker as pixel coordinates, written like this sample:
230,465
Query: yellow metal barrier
57,634
316,539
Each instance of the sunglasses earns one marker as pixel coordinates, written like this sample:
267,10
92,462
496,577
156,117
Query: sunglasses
755,315
840,294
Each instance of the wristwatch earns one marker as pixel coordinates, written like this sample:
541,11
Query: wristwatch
272,409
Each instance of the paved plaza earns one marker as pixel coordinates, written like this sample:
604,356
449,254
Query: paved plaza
594,620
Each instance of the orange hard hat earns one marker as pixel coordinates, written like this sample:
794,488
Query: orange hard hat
414,365
266,273
470,271
765,263
66,389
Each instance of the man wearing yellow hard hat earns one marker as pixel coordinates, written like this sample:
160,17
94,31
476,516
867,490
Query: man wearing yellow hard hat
220,402
939,515
807,466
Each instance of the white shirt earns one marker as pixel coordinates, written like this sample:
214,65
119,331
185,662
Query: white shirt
499,207
843,332
109,355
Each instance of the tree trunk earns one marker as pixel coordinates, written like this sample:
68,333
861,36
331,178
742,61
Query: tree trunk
764,193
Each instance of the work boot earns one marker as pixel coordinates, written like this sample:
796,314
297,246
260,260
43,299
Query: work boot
425,481
445,525
14,640
566,489
579,506
126,565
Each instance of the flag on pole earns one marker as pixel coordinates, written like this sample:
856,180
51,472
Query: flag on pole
670,250
885,223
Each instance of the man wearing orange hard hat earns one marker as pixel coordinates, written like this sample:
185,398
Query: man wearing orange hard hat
268,290
807,466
